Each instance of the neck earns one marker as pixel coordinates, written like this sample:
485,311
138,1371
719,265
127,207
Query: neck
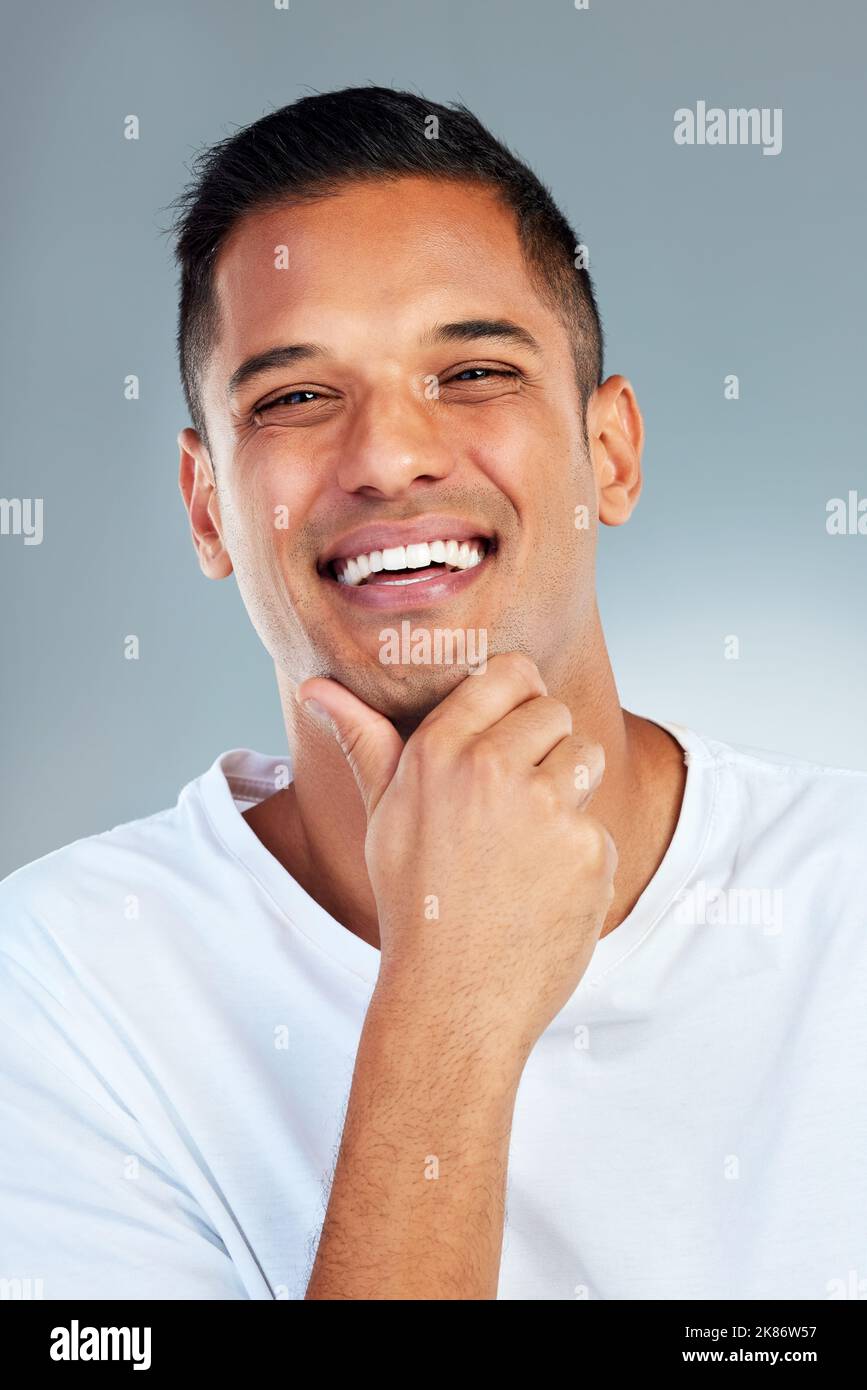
317,827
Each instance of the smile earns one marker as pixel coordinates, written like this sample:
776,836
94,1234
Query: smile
395,564
407,582
407,566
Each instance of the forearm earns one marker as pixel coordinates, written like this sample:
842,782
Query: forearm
417,1201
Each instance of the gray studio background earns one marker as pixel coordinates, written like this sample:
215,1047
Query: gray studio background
707,261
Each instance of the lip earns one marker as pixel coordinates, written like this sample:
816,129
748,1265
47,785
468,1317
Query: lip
396,598
382,535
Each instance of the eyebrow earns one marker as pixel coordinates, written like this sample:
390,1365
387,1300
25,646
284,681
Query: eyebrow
462,331
468,329
271,359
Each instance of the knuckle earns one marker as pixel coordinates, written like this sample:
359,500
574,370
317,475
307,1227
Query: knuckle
427,746
483,761
590,756
348,740
595,846
547,792
558,713
523,666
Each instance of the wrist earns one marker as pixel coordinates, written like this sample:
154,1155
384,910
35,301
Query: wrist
432,1037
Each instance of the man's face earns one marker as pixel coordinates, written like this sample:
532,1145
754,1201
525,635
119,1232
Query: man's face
391,414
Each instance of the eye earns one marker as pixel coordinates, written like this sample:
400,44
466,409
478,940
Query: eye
476,384
482,373
301,405
300,397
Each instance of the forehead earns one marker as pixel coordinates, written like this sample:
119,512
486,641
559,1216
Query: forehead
377,257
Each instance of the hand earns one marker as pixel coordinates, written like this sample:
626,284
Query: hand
491,880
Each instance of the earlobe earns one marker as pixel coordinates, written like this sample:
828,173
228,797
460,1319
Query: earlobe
616,432
199,491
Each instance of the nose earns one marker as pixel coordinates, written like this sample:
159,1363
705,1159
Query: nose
394,440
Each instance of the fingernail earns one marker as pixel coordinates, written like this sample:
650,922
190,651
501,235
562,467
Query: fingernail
318,711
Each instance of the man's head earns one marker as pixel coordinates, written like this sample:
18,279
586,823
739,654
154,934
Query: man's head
384,320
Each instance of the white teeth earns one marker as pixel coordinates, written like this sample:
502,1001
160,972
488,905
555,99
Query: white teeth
461,555
418,556
394,559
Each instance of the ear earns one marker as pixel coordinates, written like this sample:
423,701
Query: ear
615,431
199,491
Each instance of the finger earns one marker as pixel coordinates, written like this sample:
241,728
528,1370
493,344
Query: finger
371,744
576,766
480,700
529,733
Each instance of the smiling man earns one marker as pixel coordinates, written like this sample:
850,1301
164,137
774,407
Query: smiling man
467,994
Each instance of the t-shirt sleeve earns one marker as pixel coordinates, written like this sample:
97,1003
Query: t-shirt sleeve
85,1210
90,1208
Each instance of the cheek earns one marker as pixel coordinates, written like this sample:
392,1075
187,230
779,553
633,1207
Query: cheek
503,446
264,529
540,464
265,507
524,446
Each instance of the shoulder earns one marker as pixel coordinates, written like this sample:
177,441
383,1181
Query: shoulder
780,778
96,872
85,931
778,801
80,900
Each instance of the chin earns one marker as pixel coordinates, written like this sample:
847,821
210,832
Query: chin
404,694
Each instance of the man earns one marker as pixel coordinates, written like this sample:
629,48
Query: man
490,988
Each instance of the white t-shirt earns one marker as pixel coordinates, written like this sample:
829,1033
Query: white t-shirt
180,1021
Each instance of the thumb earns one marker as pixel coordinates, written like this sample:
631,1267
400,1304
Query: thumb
370,742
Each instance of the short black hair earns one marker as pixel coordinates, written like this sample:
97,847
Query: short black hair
319,144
